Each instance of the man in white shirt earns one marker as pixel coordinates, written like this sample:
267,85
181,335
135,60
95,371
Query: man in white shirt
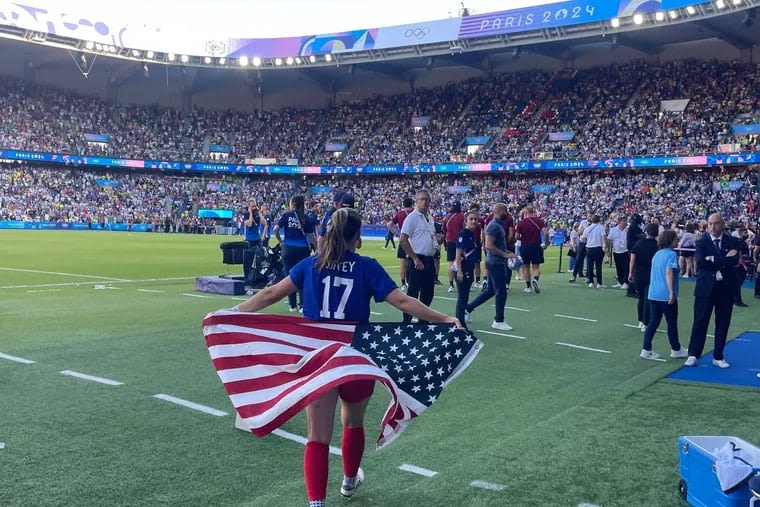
593,236
419,242
618,237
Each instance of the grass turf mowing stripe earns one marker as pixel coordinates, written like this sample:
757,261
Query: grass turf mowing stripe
92,378
16,359
417,470
574,318
488,485
502,334
582,347
190,404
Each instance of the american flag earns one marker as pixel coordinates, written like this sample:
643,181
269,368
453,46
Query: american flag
272,366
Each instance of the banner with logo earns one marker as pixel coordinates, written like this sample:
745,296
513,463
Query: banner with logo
97,138
561,136
745,130
420,121
335,146
219,148
477,140
677,106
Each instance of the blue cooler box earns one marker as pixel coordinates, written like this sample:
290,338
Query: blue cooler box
699,483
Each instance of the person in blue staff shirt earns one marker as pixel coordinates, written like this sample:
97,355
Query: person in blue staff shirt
340,200
251,224
339,285
663,296
463,267
298,241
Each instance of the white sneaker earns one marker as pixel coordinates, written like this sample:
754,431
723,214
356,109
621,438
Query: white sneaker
527,290
502,326
467,316
616,286
591,286
679,353
351,484
477,285
642,327
691,361
720,363
536,286
684,276
451,288
601,286
624,286
649,354
293,309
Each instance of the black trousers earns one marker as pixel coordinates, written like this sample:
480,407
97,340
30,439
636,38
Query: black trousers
595,257
721,300
580,259
421,282
622,265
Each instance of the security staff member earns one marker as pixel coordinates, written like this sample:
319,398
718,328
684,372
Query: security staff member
420,244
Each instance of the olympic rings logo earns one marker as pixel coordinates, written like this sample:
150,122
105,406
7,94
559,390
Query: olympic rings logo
417,33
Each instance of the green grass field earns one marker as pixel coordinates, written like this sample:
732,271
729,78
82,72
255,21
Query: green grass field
551,424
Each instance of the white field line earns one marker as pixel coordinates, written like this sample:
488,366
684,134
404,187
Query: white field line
92,378
46,290
240,299
58,273
302,440
502,334
196,295
150,290
488,485
76,284
190,404
375,313
516,309
16,359
583,348
417,470
446,298
574,318
636,327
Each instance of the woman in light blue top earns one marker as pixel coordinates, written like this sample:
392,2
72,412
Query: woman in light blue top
663,296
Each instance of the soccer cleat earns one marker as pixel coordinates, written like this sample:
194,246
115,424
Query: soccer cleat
649,354
536,287
351,484
591,285
527,290
467,316
502,326
682,352
451,288
642,327
691,361
624,286
572,280
616,286
720,363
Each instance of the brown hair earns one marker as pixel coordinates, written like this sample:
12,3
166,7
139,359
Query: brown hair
343,231
666,238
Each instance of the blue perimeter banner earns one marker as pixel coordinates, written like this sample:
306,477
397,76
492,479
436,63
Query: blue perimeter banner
545,165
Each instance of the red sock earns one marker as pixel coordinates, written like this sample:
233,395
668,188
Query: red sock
352,449
315,467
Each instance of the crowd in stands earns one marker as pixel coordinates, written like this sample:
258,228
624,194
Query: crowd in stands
612,111
31,193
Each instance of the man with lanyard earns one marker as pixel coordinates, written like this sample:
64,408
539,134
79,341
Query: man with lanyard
395,225
508,223
593,236
251,223
496,260
453,224
420,244
337,198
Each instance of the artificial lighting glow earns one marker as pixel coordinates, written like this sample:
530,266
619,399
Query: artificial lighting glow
298,60
89,44
312,59
721,4
99,47
278,61
135,53
615,22
207,60
184,58
737,2
691,10
638,19
256,61
328,57
222,61
673,14
289,61
659,15
171,57
150,54
243,61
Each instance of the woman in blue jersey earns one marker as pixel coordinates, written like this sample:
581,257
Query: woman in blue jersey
464,262
338,284
299,237
663,296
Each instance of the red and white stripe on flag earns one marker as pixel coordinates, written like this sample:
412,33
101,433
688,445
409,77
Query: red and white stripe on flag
272,366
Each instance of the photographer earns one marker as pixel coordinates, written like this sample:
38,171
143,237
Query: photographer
251,224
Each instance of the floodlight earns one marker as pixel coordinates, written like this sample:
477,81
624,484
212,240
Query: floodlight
673,14
615,22
659,16
207,60
638,19
278,61
135,53
328,57
298,60
171,57
184,58
243,61
720,4
89,44
691,10
150,54
256,61
222,60
289,60
312,58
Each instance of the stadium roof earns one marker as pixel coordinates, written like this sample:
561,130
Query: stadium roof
735,29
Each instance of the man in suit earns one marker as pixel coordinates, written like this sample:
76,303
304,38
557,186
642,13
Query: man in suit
716,257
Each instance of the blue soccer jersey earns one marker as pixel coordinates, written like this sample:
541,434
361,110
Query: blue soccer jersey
251,233
343,291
